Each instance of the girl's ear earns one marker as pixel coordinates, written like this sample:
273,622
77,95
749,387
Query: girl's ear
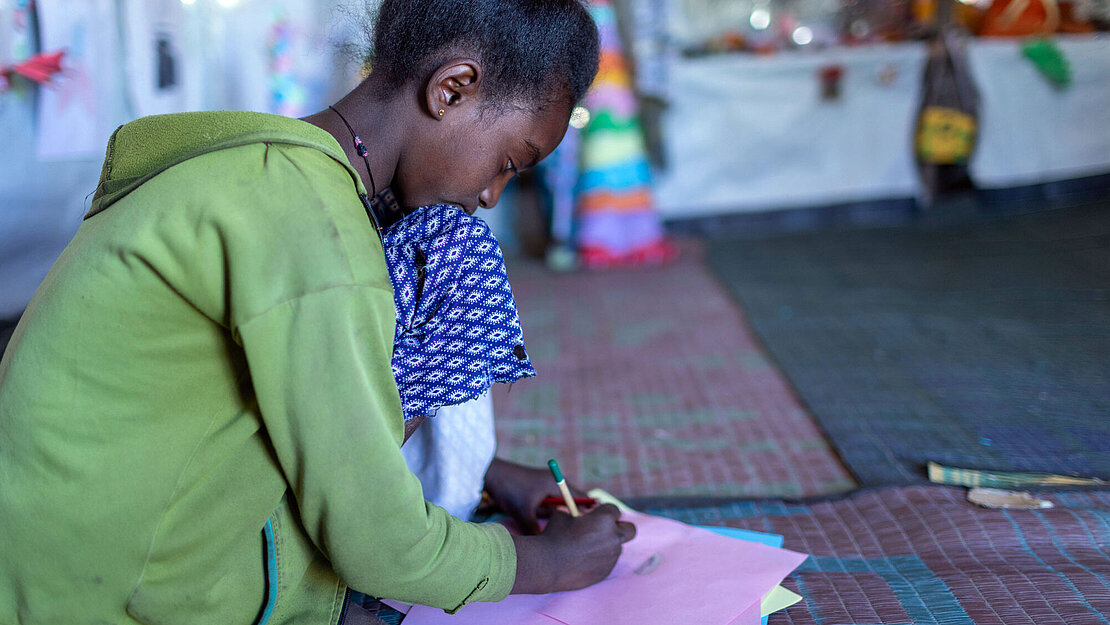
451,86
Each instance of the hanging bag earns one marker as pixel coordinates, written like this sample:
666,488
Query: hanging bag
947,127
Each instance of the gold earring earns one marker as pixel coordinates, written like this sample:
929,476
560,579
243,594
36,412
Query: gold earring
441,112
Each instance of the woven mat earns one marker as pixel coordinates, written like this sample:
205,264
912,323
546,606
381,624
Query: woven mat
924,555
979,345
651,384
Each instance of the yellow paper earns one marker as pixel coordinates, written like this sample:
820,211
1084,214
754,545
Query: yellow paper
778,599
603,496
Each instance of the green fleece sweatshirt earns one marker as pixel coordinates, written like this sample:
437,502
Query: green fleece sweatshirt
198,419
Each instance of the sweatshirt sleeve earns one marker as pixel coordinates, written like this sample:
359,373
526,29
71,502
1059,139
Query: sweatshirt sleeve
320,367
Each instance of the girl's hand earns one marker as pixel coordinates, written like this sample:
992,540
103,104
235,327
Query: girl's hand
519,490
571,553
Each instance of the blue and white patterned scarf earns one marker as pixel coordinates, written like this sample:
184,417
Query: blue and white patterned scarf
457,326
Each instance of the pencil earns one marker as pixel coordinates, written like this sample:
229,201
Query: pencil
562,484
558,501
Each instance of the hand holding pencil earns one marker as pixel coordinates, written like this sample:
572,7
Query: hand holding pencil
528,494
578,550
569,500
554,502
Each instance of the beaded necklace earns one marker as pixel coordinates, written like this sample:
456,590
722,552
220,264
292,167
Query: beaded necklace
360,148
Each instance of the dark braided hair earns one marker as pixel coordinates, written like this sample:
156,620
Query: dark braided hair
531,50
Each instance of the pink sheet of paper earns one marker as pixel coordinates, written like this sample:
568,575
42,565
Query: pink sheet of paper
749,617
703,578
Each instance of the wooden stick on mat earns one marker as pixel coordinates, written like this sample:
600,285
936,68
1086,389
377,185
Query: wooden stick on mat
939,474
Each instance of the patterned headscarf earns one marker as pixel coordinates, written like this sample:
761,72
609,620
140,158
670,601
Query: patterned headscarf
457,326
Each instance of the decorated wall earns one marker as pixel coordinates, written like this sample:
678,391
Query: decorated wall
71,71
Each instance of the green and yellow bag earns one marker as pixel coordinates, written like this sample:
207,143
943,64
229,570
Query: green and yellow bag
945,136
947,125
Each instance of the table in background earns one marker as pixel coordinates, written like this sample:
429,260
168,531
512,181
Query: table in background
747,134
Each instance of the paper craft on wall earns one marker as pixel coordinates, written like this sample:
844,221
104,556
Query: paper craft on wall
16,38
163,62
69,106
17,31
41,68
276,54
166,72
287,95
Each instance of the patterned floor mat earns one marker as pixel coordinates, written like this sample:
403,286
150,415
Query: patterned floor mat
924,555
651,384
981,344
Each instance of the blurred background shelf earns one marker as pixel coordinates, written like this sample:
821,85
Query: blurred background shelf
745,133
751,133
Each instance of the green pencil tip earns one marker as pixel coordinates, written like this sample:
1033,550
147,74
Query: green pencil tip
554,466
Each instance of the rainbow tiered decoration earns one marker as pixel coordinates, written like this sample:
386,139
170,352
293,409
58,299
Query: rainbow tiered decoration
617,224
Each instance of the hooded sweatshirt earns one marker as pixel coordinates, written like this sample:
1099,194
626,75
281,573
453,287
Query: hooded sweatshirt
198,418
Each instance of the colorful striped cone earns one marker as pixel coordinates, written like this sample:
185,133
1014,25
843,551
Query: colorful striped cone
617,224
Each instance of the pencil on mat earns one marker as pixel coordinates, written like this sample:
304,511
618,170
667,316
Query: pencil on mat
562,484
